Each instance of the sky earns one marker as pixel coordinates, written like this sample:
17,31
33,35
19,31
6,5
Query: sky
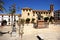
34,4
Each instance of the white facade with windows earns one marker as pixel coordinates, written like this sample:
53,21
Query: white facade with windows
8,18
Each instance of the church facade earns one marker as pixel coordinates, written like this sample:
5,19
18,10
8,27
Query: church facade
37,14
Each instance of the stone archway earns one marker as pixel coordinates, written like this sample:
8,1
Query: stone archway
4,22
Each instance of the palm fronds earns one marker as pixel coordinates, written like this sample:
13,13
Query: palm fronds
1,6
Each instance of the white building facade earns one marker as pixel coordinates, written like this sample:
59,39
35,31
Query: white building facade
8,18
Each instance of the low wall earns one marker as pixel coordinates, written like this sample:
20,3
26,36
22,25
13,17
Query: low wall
42,24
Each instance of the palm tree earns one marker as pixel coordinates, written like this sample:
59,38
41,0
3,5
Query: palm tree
22,27
51,19
22,22
19,24
1,6
12,12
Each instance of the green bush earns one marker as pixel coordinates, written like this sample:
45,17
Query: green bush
32,20
22,21
51,18
46,19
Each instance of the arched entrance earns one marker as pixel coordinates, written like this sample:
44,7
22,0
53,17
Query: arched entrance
3,23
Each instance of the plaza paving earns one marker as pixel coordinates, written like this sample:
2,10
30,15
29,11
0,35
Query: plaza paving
52,32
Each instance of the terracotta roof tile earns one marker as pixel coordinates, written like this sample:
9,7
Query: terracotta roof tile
26,8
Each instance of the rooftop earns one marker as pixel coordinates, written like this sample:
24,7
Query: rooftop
26,8
40,10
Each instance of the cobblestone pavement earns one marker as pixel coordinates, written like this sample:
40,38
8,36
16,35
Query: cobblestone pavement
52,32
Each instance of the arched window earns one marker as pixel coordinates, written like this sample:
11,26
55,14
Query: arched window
26,10
29,10
44,12
23,9
36,12
41,12
49,12
28,14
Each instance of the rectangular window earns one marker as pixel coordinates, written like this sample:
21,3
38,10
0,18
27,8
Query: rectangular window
46,12
33,14
49,12
36,12
39,12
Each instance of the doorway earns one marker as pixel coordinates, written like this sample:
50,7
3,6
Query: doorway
3,23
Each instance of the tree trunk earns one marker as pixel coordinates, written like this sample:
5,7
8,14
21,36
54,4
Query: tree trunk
11,22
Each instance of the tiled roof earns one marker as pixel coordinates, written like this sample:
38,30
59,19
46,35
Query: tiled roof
57,10
10,14
40,10
26,8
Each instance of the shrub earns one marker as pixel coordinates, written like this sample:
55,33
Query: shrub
46,19
22,21
51,18
33,20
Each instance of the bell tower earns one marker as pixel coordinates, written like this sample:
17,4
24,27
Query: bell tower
51,7
52,10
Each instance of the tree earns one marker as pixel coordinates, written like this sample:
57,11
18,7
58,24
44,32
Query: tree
46,19
27,20
51,19
22,21
12,12
1,6
33,20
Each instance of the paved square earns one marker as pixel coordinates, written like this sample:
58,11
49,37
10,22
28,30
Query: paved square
30,33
